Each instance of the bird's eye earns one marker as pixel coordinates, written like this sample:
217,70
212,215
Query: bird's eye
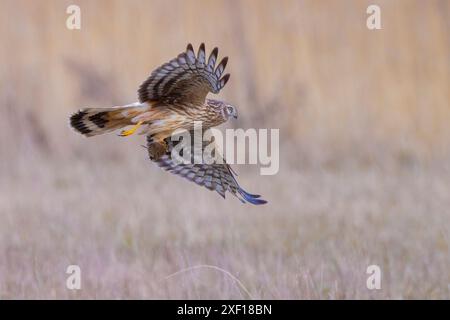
230,110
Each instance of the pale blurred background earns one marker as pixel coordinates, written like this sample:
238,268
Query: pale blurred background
364,149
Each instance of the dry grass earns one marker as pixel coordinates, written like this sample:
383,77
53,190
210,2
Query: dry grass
364,178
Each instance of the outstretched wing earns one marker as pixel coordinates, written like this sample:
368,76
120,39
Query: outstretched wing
187,79
215,177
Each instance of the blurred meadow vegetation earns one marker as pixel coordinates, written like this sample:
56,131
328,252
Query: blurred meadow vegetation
364,149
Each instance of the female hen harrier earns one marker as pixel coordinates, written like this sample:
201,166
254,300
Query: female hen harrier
173,97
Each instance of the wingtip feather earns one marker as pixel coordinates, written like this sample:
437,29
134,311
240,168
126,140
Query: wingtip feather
252,198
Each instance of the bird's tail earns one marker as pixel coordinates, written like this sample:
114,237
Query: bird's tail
94,121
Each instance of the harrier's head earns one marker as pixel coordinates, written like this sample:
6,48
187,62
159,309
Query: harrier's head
229,111
226,110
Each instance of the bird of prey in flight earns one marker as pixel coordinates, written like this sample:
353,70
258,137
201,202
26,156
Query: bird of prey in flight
172,98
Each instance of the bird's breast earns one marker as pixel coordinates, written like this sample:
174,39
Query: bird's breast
171,118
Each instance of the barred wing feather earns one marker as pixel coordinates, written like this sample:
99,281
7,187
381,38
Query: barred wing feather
216,177
186,79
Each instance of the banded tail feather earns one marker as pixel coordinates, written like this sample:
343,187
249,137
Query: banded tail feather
94,121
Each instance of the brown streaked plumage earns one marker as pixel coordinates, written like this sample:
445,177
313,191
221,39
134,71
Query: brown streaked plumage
172,98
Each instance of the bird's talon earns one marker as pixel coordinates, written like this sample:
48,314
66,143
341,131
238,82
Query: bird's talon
129,132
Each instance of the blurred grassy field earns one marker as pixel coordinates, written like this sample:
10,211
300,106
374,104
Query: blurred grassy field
365,149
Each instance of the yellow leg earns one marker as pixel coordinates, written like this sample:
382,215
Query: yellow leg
125,133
